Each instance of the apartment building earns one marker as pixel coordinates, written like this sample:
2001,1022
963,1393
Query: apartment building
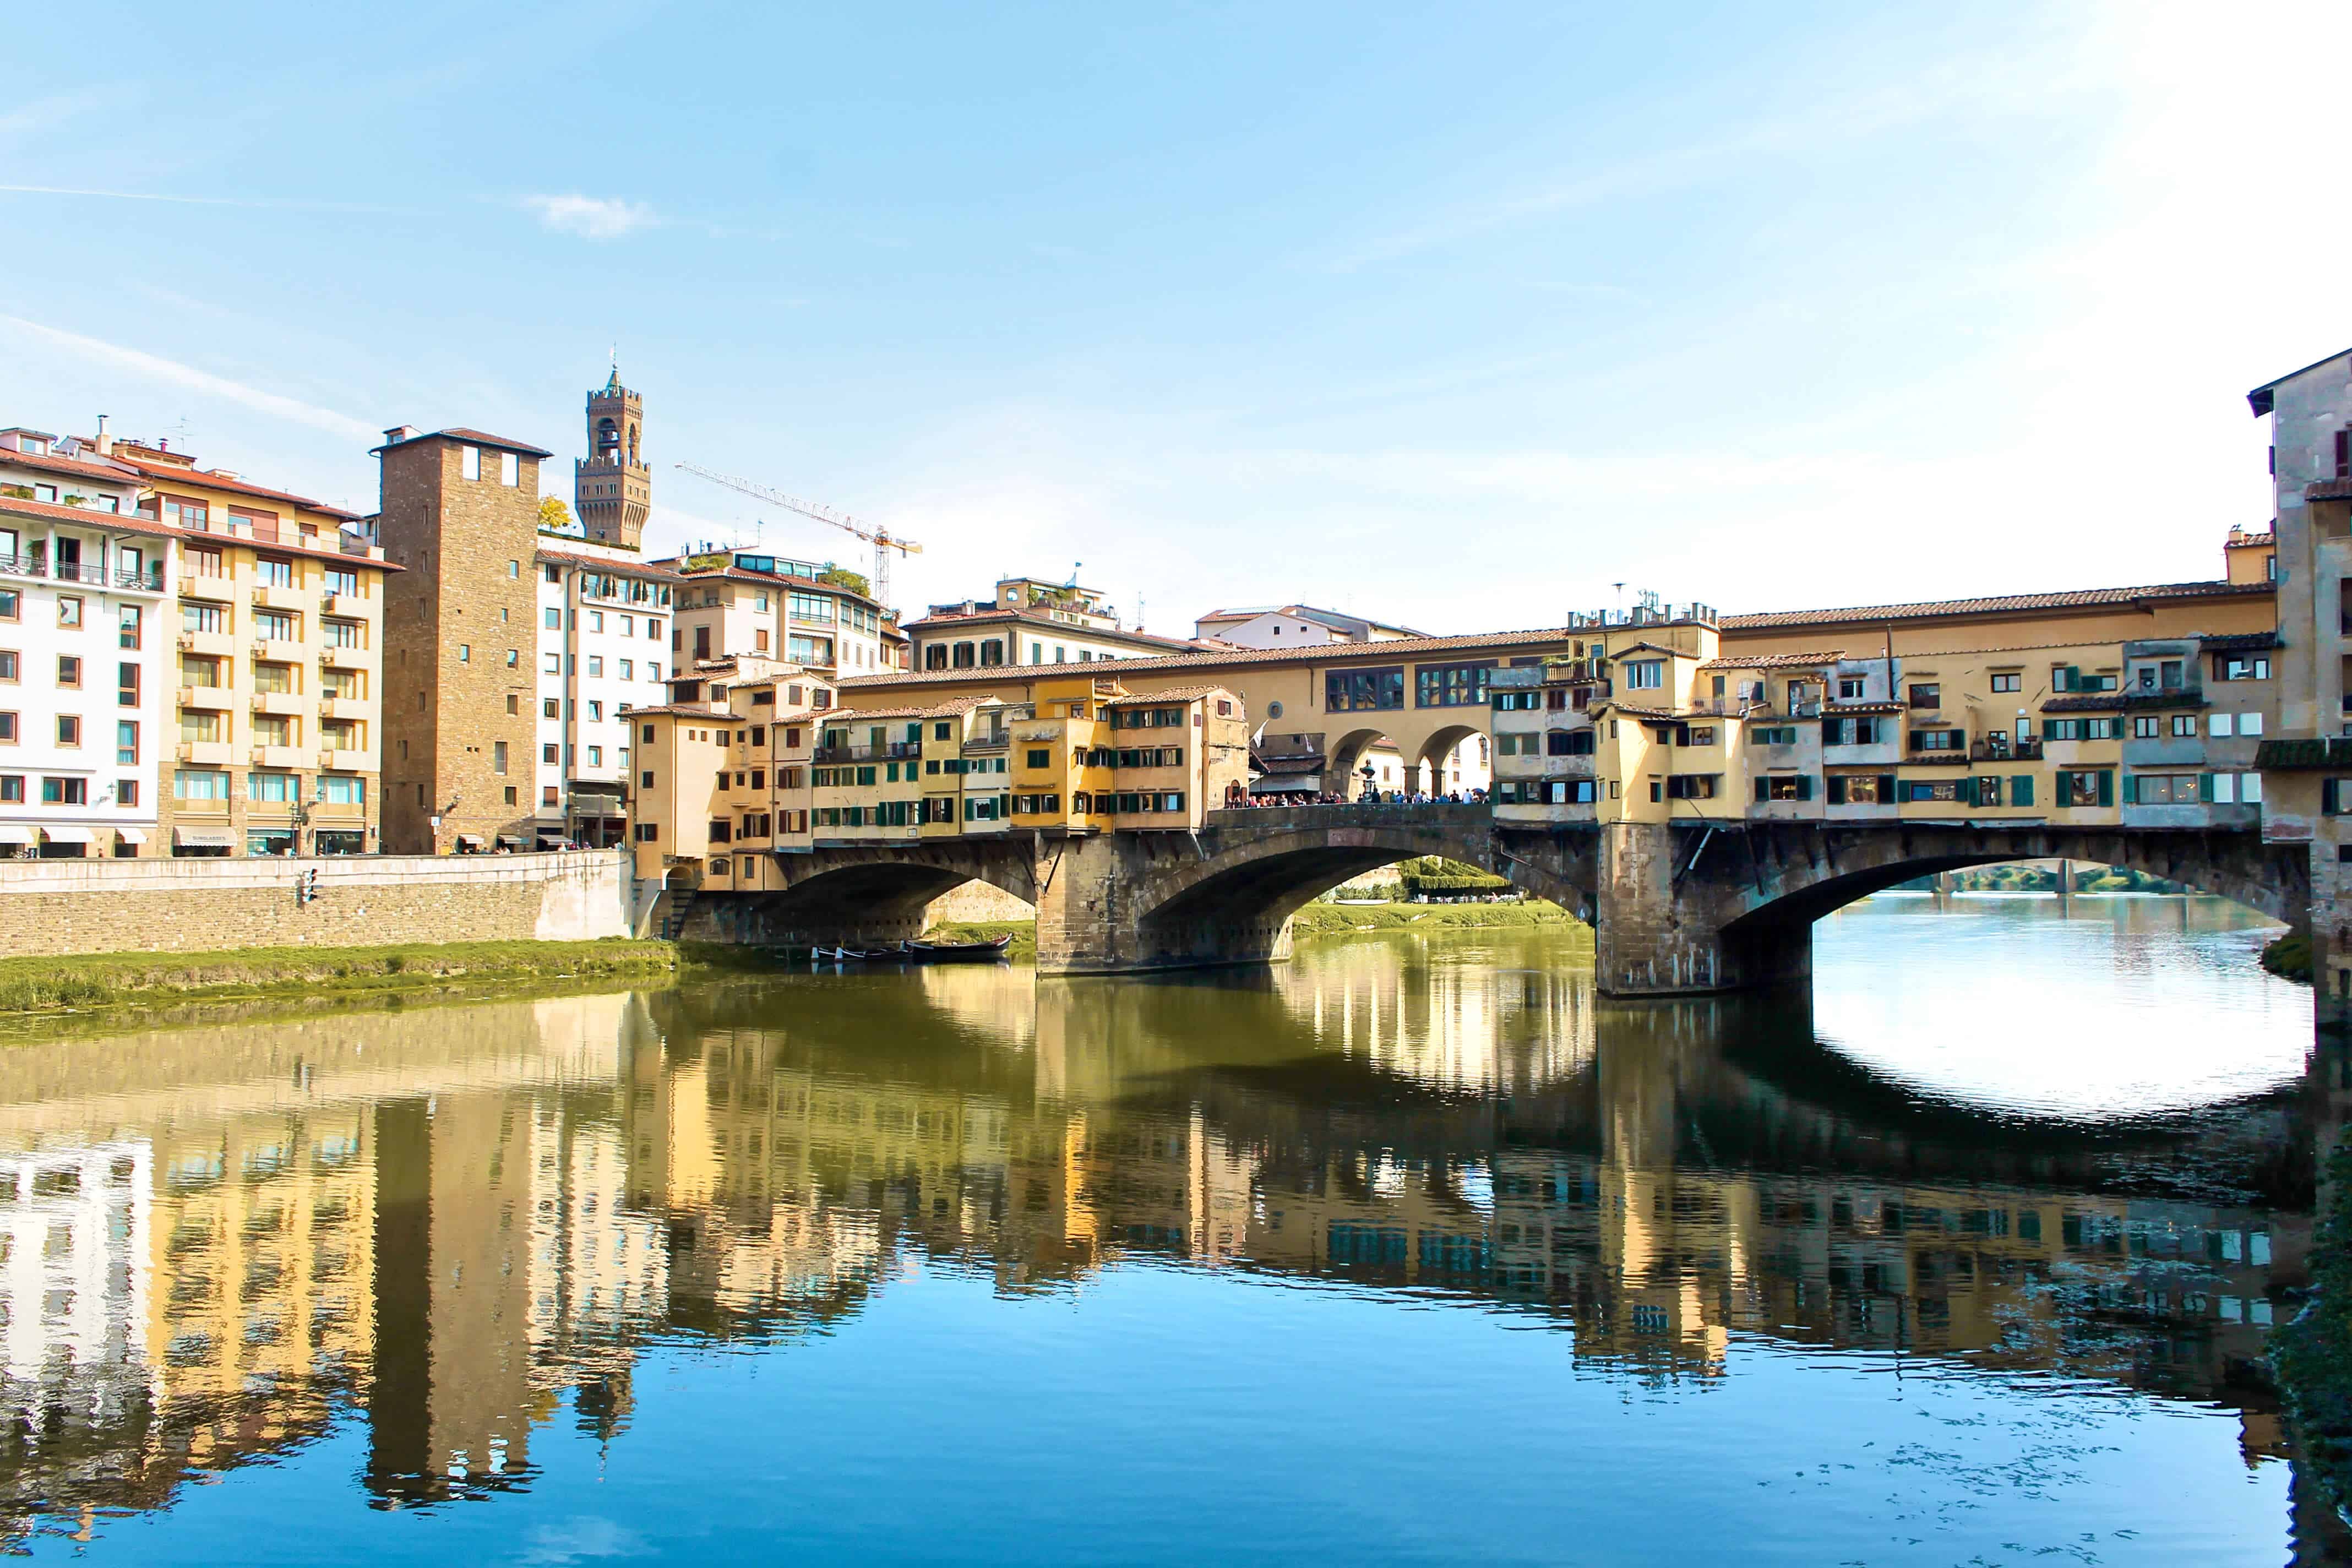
1987,722
1031,622
722,770
741,601
604,621
279,623
1293,626
2306,760
1088,756
83,602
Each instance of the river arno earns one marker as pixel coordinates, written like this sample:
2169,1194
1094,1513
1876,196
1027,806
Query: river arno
1409,1251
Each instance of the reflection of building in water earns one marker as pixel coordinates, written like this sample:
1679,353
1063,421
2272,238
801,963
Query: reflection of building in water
458,1220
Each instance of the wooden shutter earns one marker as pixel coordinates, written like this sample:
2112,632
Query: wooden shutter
2343,456
2205,788
2020,789
1763,790
2131,790
1804,786
1886,788
2107,786
1837,789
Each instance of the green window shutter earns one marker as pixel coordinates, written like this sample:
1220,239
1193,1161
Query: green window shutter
1764,790
2020,789
2205,788
2131,790
2107,786
1886,787
1804,786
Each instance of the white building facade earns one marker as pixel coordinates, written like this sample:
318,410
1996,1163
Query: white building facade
85,653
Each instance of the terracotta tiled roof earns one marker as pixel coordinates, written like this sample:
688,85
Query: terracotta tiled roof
2011,604
206,479
49,463
1153,698
2098,702
2322,753
650,570
2241,642
1778,660
936,710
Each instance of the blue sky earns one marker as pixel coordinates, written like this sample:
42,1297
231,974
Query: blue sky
1457,316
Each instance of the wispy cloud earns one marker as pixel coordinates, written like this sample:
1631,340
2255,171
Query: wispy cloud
590,218
291,204
43,113
137,362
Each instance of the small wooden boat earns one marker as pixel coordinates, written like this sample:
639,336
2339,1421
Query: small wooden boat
858,954
958,952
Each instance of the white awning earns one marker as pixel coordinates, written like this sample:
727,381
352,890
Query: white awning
131,834
470,841
202,838
65,834
15,833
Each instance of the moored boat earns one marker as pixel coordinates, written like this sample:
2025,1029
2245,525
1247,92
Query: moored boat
958,952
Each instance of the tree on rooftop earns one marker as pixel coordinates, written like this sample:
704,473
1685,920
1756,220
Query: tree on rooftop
553,513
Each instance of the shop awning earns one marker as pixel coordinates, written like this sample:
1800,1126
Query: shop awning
15,833
507,842
131,834
1294,785
204,838
65,834
470,841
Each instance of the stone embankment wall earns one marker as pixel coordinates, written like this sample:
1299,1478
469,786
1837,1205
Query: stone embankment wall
49,908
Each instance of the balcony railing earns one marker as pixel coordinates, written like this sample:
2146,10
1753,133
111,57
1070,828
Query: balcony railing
2004,750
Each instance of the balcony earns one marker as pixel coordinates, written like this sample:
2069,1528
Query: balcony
276,597
347,657
210,699
277,651
87,575
346,708
283,757
212,590
289,702
350,762
326,811
345,605
22,566
2004,750
206,753
219,644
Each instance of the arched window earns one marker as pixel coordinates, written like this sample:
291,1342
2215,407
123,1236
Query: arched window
608,438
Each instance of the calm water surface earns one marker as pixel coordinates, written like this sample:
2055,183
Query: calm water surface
1411,1251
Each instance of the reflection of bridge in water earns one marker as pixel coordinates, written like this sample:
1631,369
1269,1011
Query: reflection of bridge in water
456,1219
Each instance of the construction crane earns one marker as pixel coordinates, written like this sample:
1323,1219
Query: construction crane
883,541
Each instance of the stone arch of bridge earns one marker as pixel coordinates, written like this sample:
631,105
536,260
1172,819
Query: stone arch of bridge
1438,746
1345,755
1251,882
863,894
1777,879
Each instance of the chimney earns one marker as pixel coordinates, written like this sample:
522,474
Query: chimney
105,443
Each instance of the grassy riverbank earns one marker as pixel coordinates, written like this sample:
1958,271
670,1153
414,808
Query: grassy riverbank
2289,958
2312,1357
124,980
1315,920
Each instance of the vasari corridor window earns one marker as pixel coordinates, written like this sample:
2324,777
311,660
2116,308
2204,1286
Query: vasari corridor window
1363,690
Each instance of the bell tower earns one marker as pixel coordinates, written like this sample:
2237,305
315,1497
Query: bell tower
611,489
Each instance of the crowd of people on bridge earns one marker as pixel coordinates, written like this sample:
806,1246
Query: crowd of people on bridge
1238,796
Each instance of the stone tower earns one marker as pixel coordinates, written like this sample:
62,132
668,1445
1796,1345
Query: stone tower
611,487
459,517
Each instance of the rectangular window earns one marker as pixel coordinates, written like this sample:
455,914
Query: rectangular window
1451,684
1774,735
65,792
8,728
2146,726
273,572
2086,787
469,462
126,741
1939,739
276,787
1362,690
127,632
68,729
12,789
2184,724
195,617
1645,675
498,757
275,625
2008,682
1693,786
2242,667
509,469
68,671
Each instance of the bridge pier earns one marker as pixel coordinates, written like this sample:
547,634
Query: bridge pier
1661,928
